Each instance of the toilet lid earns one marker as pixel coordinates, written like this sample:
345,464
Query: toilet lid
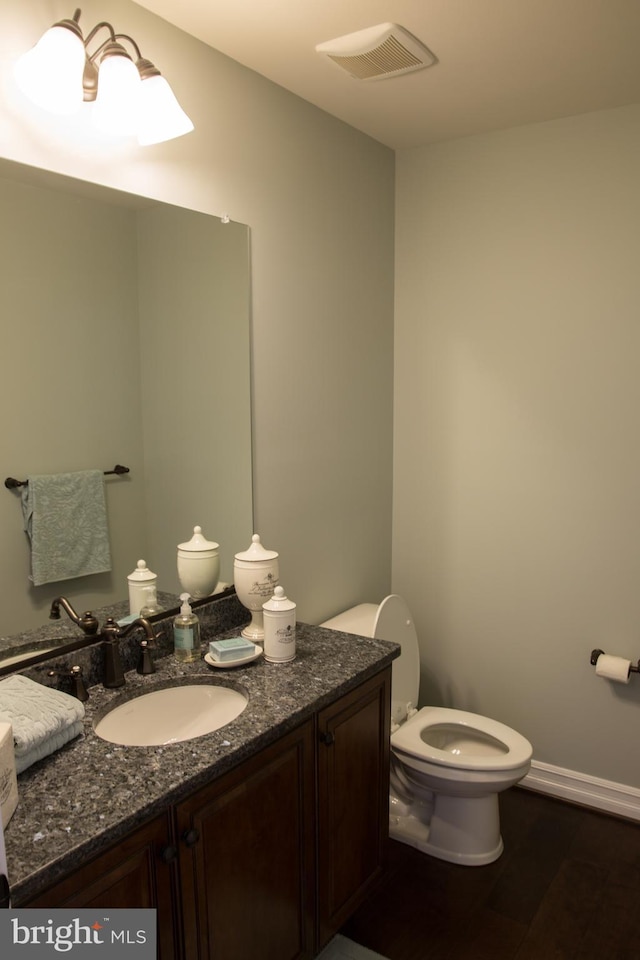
394,622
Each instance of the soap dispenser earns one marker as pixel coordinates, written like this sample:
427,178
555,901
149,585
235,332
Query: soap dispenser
186,633
150,606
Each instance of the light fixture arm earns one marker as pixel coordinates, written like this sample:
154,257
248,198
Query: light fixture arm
113,38
92,34
72,24
90,78
124,36
145,67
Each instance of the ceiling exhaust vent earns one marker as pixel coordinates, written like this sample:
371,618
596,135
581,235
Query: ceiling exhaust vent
386,50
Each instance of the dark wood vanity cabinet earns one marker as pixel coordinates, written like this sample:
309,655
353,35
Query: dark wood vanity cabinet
353,800
139,871
276,855
247,857
268,861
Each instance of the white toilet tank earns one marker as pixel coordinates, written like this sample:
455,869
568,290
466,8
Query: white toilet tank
390,620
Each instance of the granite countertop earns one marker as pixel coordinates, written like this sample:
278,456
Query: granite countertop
91,793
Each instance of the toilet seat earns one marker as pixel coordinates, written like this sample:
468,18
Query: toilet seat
461,740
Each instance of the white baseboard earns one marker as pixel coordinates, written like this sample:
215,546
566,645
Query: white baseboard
615,798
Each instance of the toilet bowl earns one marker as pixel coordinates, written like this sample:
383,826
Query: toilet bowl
447,766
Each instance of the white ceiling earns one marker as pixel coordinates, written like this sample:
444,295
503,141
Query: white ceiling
501,63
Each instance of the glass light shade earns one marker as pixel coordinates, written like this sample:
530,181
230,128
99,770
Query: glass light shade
116,109
50,74
161,116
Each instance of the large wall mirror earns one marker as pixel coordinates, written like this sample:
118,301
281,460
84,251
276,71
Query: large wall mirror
126,339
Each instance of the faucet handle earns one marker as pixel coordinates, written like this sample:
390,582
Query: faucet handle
113,671
145,663
78,687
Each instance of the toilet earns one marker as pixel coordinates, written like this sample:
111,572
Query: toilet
447,766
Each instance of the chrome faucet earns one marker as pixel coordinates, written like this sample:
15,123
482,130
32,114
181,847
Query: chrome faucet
111,634
87,622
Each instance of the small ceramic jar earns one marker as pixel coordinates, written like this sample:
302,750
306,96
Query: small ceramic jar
198,565
279,628
255,574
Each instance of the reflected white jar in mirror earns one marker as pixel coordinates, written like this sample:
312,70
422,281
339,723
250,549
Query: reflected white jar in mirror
140,583
256,573
198,565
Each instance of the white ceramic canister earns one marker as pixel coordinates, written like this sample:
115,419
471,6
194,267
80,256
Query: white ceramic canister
139,581
198,565
256,572
279,615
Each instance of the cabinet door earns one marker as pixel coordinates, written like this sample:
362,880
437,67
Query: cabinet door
247,858
353,795
139,871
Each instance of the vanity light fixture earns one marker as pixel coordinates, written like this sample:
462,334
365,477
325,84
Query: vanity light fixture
129,98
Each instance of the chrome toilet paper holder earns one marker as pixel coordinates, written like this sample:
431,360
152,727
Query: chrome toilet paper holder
633,668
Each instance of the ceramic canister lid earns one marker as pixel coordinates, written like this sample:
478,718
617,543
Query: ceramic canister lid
279,602
256,551
198,542
142,572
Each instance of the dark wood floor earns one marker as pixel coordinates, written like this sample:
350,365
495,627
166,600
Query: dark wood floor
567,887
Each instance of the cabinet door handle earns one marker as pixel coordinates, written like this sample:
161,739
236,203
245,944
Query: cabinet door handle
191,837
168,854
327,738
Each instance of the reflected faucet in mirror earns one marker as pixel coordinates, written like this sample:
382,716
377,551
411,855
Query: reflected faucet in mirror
109,635
87,622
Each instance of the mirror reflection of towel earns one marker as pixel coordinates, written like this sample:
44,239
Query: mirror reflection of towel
65,518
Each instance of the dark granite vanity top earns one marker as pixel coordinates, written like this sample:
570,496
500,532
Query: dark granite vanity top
91,793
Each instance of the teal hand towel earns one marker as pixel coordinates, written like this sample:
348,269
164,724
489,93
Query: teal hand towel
65,518
43,719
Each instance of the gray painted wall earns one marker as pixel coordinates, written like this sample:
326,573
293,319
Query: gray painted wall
517,399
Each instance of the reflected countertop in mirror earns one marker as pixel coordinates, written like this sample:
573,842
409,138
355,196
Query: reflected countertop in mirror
59,637
62,638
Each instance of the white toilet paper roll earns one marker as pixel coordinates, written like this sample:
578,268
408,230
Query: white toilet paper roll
613,668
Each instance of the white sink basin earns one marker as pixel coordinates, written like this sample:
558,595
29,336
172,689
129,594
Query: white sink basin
170,715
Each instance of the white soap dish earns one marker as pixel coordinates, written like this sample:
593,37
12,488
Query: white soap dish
225,664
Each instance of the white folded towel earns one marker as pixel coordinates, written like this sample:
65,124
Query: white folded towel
43,719
48,746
